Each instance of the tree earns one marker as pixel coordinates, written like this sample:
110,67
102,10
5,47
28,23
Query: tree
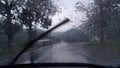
10,23
100,14
37,12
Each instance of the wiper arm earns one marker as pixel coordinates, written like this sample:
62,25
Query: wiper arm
30,43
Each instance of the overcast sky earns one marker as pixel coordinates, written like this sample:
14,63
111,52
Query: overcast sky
67,8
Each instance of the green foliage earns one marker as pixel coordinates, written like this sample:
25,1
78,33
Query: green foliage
38,12
103,19
42,7
8,26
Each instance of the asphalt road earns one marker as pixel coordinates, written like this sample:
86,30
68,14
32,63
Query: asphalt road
61,52
65,52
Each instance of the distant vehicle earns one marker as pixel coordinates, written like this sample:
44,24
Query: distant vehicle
43,42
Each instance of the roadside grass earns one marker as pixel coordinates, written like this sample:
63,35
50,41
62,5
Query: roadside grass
109,51
110,44
5,54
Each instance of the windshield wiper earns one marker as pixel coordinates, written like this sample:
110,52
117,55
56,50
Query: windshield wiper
30,43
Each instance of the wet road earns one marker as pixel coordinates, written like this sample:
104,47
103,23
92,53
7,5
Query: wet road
61,52
68,52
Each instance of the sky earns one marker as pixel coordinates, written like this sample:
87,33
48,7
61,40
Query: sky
67,10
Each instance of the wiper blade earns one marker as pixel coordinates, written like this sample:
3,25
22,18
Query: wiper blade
30,43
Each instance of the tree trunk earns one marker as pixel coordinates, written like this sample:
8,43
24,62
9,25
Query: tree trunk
30,37
102,24
10,40
30,32
8,31
102,37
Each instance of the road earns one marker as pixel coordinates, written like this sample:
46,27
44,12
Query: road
61,52
65,52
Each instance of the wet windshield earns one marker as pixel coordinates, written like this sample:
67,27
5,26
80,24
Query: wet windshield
91,36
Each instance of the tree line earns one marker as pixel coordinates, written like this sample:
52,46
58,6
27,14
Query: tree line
103,19
16,14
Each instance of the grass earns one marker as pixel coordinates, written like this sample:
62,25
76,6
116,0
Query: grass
20,38
109,51
5,54
111,43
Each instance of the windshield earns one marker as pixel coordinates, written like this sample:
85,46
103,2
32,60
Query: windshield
91,35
